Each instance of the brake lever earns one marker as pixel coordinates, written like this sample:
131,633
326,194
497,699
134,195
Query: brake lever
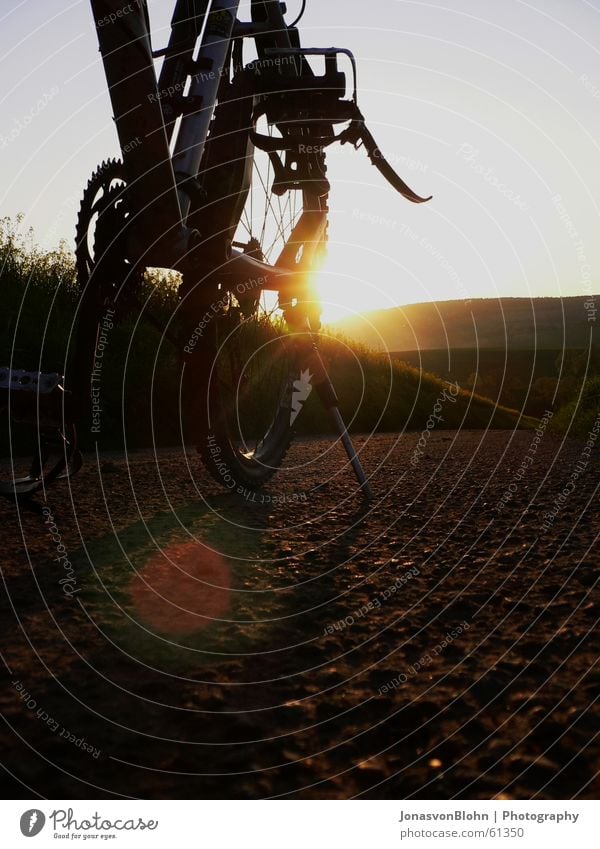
357,132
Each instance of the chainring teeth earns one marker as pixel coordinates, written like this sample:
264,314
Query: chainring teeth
100,181
103,207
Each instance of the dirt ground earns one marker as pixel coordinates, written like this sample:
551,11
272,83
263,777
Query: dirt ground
163,638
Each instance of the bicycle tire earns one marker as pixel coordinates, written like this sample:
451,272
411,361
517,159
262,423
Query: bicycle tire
244,421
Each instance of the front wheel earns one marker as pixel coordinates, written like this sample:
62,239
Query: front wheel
248,389
247,378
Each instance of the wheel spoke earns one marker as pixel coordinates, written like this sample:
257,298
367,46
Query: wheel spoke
254,382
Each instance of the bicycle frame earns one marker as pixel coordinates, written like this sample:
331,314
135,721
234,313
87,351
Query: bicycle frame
154,117
146,112
163,126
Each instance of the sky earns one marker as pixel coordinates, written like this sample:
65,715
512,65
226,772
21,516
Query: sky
492,107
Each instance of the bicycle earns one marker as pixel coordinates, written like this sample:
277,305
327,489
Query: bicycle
199,144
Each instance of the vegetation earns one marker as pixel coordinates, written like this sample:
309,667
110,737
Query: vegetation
528,379
377,392
579,415
38,296
40,293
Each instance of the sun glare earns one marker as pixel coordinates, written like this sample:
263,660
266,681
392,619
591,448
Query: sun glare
348,285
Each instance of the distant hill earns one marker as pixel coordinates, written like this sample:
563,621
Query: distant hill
505,323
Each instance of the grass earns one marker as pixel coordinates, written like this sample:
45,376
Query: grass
580,415
383,394
529,379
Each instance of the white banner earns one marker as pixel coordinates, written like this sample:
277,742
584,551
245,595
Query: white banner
302,824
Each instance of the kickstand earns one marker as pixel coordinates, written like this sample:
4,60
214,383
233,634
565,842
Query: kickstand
351,451
329,399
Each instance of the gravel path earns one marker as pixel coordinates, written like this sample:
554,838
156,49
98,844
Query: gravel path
164,638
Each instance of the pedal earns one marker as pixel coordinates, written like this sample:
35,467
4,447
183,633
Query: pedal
39,399
56,457
34,397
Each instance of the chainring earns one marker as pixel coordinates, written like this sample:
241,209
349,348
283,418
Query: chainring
101,238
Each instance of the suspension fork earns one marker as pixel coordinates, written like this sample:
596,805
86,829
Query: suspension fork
211,67
162,186
186,27
124,41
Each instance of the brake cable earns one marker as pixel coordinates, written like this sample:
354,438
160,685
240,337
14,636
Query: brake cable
302,10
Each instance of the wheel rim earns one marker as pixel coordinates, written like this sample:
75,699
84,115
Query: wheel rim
254,364
252,376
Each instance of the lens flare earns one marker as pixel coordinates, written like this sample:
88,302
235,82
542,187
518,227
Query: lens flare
182,589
